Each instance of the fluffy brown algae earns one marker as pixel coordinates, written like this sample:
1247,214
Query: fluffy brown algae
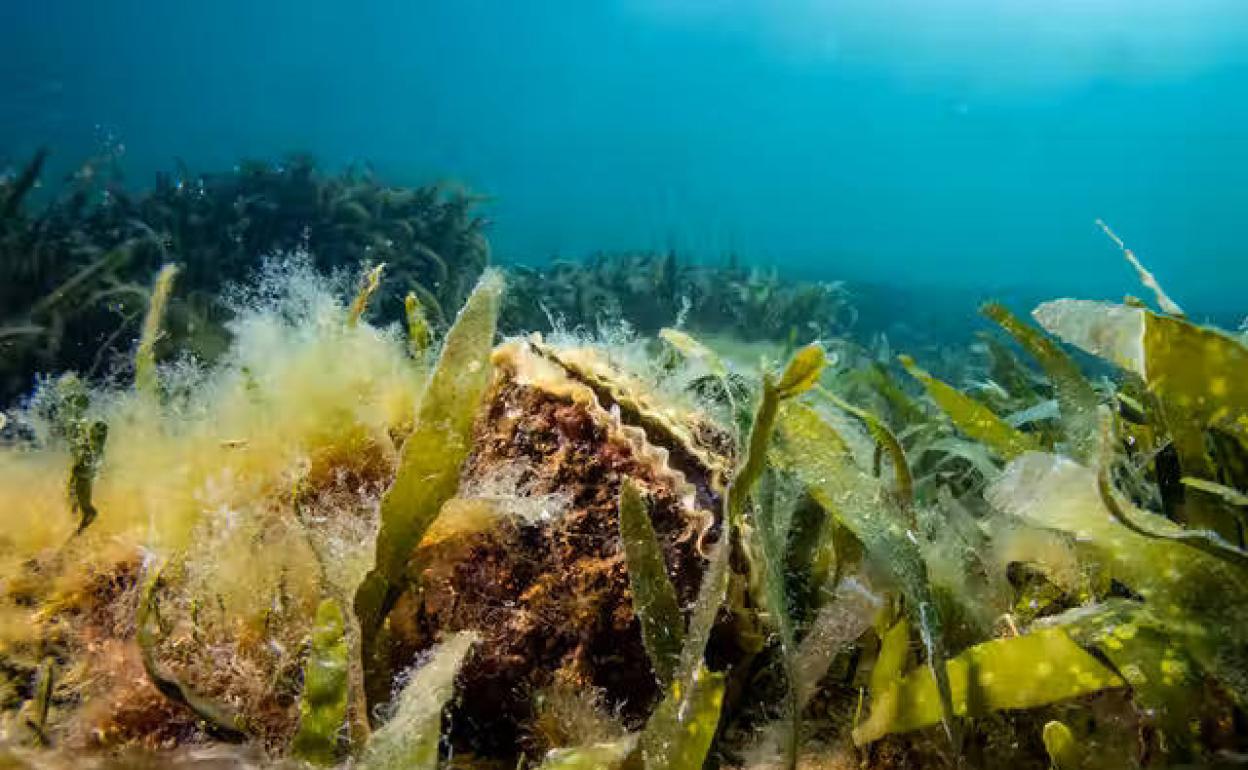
528,552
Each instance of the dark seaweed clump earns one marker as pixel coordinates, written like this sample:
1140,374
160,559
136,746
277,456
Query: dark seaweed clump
74,272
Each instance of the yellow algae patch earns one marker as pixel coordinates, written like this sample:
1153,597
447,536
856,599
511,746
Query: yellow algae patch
1014,673
461,517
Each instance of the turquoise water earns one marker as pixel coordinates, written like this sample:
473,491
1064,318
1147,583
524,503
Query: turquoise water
932,145
267,479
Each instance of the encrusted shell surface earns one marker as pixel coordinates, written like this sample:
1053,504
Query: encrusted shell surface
530,557
698,445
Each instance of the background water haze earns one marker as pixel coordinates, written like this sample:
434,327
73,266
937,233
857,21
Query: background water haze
948,144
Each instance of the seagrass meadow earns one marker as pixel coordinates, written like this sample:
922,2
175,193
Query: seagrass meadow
291,477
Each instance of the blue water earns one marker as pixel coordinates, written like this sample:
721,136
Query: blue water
935,144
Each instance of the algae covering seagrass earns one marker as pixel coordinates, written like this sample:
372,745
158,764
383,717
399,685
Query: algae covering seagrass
368,539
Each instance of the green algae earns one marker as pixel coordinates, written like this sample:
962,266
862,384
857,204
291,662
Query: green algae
368,287
74,269
1195,374
801,374
652,290
429,466
219,720
766,537
840,621
893,659
1167,305
1202,540
1158,617
323,705
87,452
419,333
38,720
145,381
15,192
679,733
694,350
885,439
1163,677
1199,599
1062,747
654,598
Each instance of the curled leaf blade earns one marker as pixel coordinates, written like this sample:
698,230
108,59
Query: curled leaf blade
803,371
1076,399
971,417
1018,672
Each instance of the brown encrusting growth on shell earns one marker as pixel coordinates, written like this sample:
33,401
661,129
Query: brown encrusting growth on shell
86,634
698,446
545,583
252,669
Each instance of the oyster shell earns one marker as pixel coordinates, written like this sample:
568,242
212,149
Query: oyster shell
529,556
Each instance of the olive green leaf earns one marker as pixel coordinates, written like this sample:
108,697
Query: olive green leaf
145,357
971,417
1018,672
372,280
654,598
323,707
430,460
1076,399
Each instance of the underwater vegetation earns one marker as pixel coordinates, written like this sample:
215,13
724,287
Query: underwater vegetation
649,291
342,542
75,272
